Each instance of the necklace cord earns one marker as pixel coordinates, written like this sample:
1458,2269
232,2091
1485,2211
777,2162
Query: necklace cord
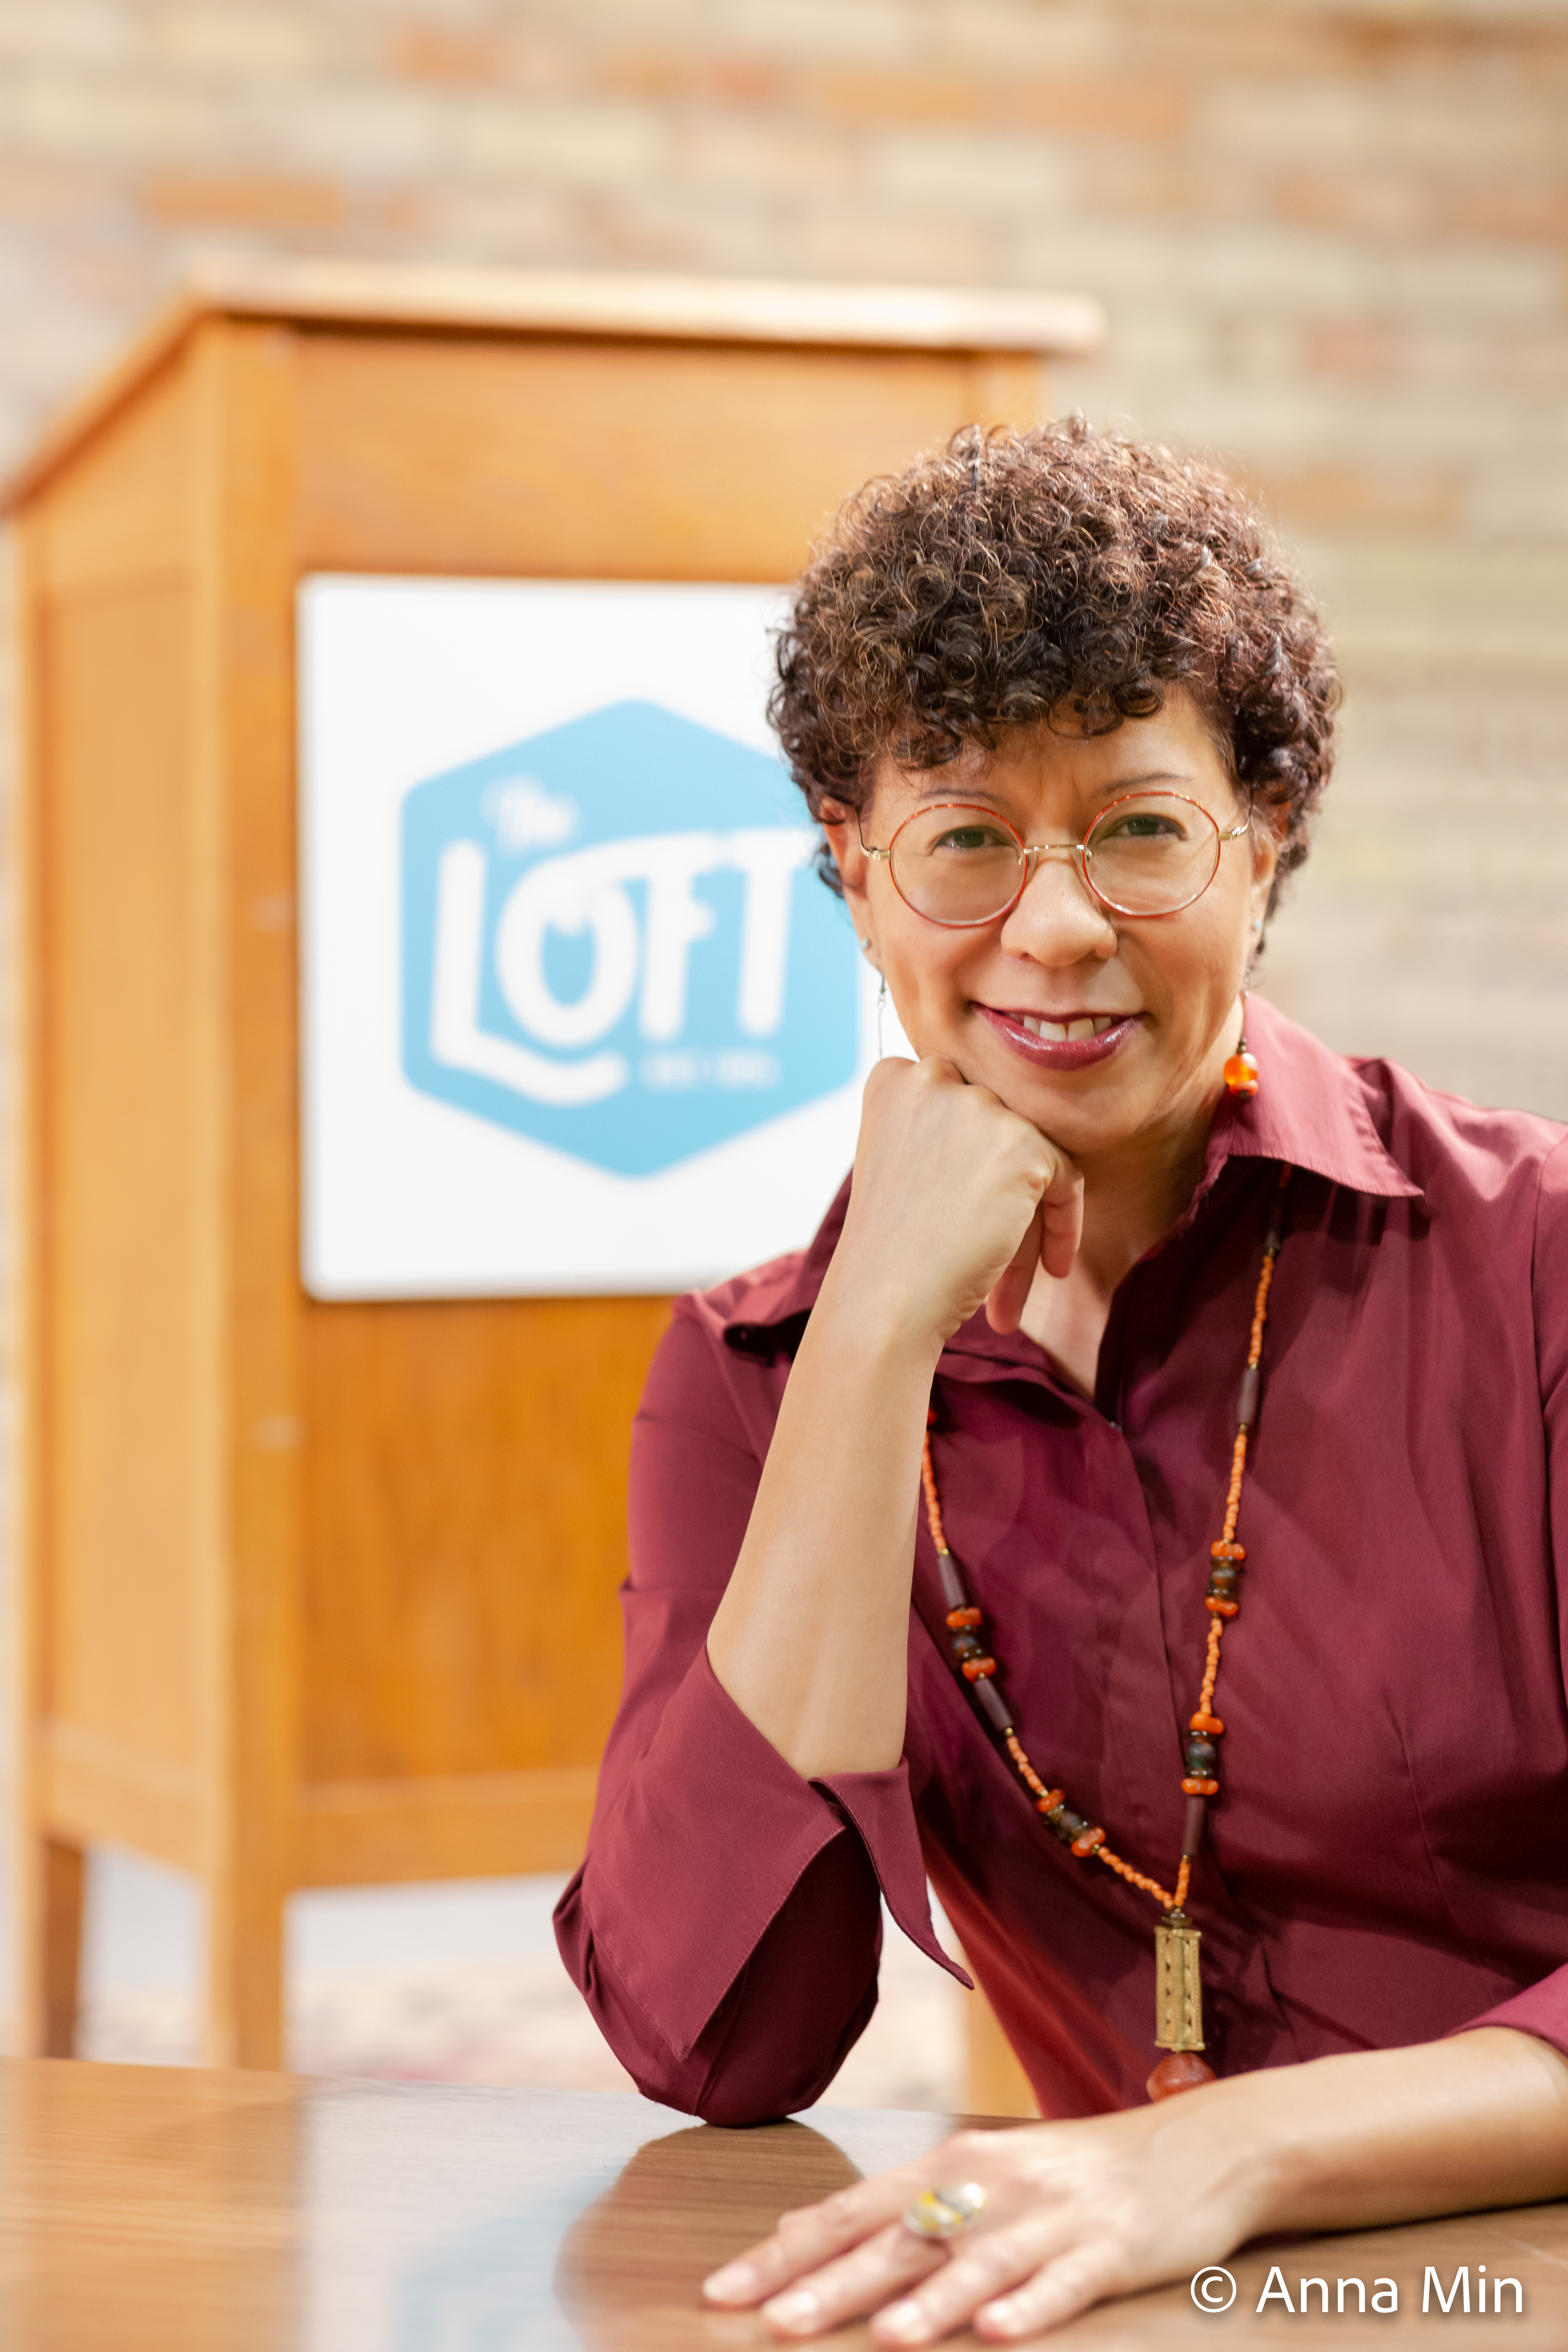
1200,1782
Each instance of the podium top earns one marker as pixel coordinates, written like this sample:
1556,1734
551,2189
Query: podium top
615,305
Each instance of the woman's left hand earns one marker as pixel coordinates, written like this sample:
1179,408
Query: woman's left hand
1078,2211
1074,2212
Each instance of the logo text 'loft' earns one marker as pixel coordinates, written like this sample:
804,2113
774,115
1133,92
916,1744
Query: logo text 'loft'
613,942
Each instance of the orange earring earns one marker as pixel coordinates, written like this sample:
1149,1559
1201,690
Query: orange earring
1241,1070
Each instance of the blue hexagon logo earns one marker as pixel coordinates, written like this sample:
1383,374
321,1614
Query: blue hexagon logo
613,942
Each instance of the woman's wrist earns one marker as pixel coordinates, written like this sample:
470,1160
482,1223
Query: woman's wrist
1258,2148
1384,2136
1276,2148
1225,2139
880,1315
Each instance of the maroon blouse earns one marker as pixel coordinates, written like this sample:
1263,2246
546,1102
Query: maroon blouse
1388,1860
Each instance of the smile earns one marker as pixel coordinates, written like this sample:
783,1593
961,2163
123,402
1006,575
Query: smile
1073,1044
1090,1024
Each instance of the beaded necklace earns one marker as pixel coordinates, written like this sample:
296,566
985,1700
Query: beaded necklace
1178,1988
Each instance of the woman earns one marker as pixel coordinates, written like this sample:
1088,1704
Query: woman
1239,1382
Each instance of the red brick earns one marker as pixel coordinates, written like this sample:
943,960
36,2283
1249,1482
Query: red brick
868,96
1165,182
647,73
423,52
1413,205
748,80
241,199
1359,349
36,191
1351,497
1119,109
680,75
1491,208
1430,44
1110,109
1382,202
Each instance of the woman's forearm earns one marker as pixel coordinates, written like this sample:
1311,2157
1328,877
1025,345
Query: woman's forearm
953,1197
1396,2134
810,1640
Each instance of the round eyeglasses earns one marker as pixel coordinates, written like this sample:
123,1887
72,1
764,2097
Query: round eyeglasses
959,864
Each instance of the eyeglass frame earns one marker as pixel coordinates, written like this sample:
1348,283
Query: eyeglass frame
1031,854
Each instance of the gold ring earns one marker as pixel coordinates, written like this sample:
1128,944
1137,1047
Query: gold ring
945,2212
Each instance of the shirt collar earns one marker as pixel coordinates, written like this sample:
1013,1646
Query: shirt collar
1312,1109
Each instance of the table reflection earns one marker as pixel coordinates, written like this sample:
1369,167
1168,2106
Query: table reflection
630,2267
466,2220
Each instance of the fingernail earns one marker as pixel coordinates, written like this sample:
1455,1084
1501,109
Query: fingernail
795,2310
1004,2318
906,2323
734,2284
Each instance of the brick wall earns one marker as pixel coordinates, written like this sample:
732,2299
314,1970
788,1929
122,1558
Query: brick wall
1332,239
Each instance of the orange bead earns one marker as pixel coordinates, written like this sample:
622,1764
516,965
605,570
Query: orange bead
1202,1722
1083,1846
1183,2070
1050,1800
959,1617
1215,1607
977,1669
1200,1787
1241,1074
1227,1551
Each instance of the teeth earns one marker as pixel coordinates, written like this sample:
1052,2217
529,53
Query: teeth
1063,1032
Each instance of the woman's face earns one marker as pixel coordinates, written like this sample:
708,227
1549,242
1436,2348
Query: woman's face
1164,990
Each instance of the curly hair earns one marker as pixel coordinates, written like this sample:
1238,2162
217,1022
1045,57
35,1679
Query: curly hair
1061,575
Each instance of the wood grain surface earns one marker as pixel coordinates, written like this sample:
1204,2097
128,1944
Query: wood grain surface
145,2210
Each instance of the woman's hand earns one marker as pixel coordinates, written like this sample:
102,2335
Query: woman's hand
956,1200
1074,2212
1078,2211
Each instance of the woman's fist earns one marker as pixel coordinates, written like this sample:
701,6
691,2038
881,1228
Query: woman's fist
956,1200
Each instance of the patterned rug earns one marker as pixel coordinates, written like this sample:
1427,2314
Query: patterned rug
523,2022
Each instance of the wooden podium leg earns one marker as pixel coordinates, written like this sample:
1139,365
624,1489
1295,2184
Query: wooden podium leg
54,1877
997,2082
64,1885
245,1974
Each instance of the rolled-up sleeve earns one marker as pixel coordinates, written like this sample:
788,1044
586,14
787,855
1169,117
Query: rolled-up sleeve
725,1928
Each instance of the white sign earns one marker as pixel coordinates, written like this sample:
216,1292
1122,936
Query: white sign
578,1013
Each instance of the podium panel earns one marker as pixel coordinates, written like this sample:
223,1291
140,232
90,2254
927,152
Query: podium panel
322,1590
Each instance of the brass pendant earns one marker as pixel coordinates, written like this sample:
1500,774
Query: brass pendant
1178,2010
1178,1986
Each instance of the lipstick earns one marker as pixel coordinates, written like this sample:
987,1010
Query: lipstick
1057,1053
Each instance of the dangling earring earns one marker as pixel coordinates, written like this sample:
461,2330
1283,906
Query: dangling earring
1241,1070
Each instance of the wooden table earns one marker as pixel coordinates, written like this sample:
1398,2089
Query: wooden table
160,2211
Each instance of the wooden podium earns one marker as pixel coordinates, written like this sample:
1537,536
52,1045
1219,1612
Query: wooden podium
316,1595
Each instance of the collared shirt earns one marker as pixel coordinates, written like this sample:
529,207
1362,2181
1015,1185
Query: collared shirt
1387,1861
